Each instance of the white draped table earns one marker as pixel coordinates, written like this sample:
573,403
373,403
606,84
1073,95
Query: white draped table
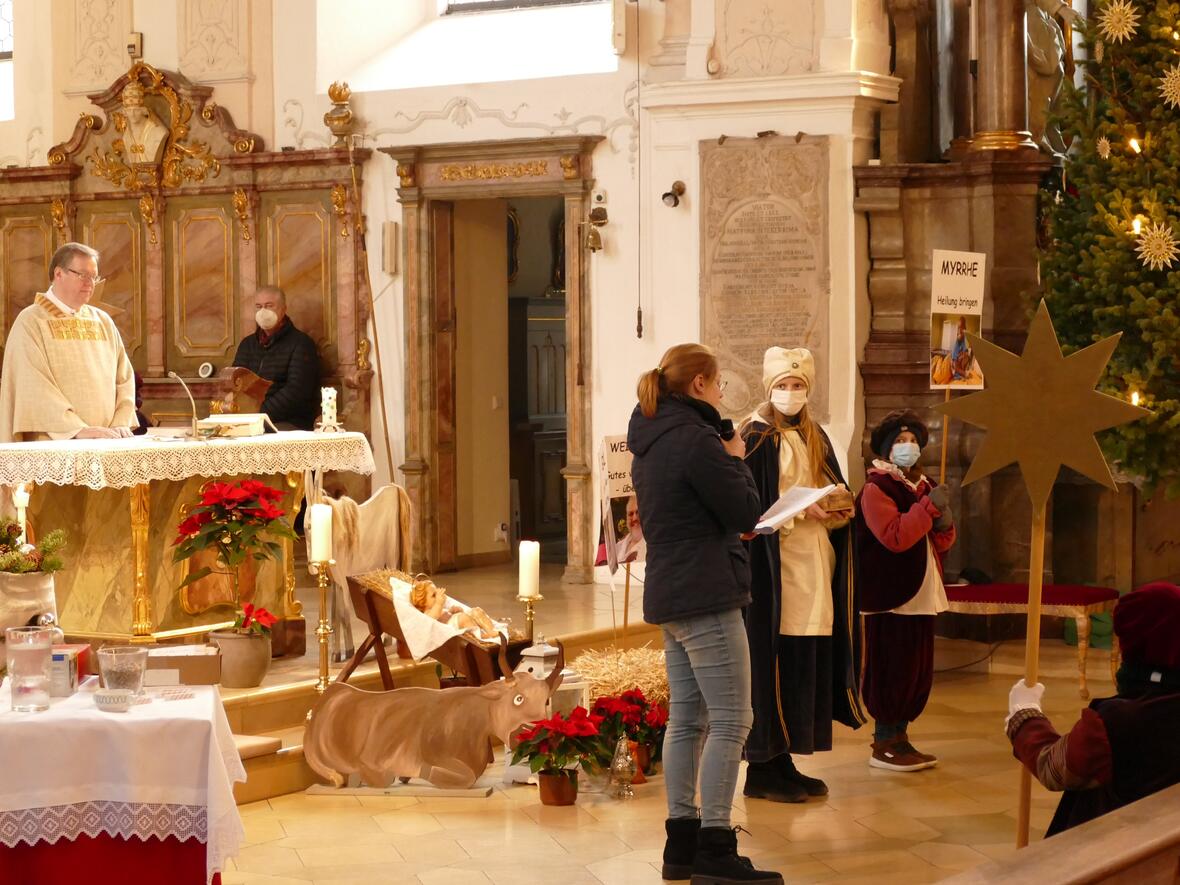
165,768
136,462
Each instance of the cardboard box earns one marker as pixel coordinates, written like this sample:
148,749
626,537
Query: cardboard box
86,664
63,672
183,665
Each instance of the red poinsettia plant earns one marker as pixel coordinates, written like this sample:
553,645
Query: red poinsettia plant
239,520
254,619
632,714
553,744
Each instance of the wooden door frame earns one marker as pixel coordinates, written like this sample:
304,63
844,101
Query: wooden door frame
446,173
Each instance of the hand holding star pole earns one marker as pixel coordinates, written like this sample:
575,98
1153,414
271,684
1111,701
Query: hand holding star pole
1041,411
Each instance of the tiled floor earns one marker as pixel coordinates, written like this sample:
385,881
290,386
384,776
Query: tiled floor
875,827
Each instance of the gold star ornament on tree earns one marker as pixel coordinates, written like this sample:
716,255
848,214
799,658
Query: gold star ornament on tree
1040,409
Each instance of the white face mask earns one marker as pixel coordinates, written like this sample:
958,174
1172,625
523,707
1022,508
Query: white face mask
266,318
789,402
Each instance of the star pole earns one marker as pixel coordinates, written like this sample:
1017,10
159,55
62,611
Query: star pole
1040,410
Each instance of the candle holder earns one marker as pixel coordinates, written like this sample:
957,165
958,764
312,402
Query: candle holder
329,427
530,603
323,630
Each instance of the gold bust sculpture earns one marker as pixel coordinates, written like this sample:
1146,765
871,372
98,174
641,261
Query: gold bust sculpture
144,134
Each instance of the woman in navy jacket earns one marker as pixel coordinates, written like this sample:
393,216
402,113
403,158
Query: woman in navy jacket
696,496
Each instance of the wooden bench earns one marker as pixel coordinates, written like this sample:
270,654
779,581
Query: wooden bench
1058,600
478,662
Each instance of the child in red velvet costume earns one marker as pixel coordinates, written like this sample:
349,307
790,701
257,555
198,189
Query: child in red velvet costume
904,525
1123,748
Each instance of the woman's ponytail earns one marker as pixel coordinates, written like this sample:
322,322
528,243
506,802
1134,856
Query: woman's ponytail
649,391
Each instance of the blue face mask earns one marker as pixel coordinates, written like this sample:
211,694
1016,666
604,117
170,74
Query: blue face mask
905,454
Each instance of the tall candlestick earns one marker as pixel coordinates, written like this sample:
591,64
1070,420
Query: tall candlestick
321,532
530,569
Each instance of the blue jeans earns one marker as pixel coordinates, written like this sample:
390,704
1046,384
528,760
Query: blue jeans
709,714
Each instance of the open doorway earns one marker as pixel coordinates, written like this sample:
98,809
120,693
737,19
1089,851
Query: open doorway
536,371
510,378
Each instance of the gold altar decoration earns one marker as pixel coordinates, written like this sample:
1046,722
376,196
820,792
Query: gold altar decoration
1041,411
491,171
569,166
339,119
405,173
362,355
129,164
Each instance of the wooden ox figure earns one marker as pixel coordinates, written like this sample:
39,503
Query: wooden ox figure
441,735
365,537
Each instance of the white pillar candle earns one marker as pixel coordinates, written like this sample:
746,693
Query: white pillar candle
321,532
20,500
530,569
328,405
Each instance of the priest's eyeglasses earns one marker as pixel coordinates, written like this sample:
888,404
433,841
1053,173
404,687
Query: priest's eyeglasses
85,277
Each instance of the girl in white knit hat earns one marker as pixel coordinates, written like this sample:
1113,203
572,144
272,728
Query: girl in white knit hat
804,652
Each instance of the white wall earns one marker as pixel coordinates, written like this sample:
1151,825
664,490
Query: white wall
651,133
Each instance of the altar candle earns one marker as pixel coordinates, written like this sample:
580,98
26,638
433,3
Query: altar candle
321,532
20,500
530,569
328,405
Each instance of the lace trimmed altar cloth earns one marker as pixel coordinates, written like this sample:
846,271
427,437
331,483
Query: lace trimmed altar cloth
164,768
107,463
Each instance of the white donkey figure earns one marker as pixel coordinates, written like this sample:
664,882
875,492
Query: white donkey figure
368,536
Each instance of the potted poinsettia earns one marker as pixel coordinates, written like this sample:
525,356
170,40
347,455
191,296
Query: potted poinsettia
643,723
26,575
556,747
239,521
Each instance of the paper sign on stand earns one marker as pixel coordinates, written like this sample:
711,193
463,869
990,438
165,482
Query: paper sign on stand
956,309
622,534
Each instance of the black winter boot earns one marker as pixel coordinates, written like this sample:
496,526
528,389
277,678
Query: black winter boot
764,780
717,861
812,785
681,848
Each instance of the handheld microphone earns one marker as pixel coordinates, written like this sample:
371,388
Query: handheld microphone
727,430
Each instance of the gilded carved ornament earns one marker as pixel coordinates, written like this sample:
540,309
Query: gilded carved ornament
569,166
490,171
405,172
131,163
147,211
242,210
339,119
57,211
340,207
362,355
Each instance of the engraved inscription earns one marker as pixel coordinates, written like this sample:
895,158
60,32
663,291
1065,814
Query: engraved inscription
764,260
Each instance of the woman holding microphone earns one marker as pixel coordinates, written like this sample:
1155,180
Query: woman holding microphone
696,496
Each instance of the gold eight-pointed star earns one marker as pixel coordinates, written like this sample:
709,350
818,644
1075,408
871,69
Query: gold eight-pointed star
1040,409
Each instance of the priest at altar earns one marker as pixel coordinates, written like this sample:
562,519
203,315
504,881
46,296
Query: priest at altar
66,373
67,409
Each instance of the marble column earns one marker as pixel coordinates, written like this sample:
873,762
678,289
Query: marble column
1001,98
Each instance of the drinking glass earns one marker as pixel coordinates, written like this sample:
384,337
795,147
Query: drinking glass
123,666
30,655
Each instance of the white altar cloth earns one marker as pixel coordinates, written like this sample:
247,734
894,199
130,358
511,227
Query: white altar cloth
164,768
120,463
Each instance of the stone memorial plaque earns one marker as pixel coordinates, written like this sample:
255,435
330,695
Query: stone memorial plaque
764,260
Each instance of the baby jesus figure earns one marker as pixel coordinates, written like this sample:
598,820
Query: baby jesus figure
432,601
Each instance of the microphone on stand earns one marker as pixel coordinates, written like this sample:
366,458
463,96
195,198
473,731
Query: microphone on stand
192,401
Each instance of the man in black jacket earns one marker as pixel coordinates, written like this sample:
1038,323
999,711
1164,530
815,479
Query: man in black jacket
285,356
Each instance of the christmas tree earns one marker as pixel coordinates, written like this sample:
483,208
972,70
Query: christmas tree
1111,261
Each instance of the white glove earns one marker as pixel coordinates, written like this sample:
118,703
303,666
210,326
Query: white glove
1023,697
